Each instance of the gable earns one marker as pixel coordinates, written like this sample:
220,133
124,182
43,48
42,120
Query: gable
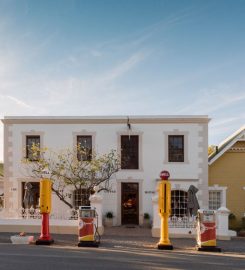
235,142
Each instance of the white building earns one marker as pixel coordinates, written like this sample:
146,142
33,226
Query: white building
175,143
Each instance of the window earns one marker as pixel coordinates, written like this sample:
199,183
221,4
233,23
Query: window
130,152
30,194
32,146
176,148
179,200
84,147
214,200
81,197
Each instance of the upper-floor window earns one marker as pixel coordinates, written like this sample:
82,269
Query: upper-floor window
130,152
176,148
32,147
84,147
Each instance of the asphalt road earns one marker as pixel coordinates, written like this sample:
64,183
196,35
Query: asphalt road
25,257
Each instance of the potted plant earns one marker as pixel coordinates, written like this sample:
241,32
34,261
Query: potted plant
109,219
146,221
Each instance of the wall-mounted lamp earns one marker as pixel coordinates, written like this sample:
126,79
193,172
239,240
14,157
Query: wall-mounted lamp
128,124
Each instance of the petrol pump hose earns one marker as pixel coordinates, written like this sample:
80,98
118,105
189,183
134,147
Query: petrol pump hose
96,233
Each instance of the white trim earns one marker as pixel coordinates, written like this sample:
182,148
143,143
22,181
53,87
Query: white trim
111,117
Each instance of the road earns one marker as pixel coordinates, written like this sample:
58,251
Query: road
25,257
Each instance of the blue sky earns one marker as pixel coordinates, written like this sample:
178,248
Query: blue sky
109,57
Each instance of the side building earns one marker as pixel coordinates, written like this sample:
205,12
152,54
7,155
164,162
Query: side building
227,178
152,143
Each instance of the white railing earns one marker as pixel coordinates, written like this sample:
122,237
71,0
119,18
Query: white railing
32,213
182,222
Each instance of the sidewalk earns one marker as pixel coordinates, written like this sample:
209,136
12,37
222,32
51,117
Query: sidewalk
130,237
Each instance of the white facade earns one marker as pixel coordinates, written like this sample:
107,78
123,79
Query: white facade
153,131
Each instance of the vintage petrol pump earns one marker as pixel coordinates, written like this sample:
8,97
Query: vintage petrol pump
88,235
45,209
164,206
206,231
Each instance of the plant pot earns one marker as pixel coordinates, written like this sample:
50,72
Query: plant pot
146,223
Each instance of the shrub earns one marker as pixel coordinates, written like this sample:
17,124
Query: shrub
109,215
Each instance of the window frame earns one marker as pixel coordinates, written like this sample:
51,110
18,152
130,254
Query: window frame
136,151
88,156
82,193
28,150
173,153
181,211
222,190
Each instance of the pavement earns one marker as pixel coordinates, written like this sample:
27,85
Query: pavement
137,237
121,248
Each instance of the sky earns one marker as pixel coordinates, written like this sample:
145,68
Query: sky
130,57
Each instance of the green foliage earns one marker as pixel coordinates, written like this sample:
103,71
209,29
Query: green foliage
1,169
243,222
146,216
211,149
109,215
232,216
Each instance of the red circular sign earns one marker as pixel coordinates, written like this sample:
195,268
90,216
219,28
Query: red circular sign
164,175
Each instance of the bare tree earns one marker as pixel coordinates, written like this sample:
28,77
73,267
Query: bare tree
71,168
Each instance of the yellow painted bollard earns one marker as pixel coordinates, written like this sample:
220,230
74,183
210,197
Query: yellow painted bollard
164,206
45,209
45,196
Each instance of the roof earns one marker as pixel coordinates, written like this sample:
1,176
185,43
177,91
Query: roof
226,144
136,119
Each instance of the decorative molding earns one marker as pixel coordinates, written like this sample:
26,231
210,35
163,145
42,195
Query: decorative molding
140,119
203,165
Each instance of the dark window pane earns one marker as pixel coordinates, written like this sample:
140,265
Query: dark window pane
179,203
84,148
81,197
130,152
176,148
32,142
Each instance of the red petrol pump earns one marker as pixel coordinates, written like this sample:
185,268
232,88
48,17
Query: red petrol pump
88,235
206,231
45,209
164,207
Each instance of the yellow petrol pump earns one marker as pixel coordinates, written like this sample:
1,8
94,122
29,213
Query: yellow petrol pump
164,206
45,209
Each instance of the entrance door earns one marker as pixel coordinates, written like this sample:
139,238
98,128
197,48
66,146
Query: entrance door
130,203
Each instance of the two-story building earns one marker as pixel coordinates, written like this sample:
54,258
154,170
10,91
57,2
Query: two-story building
151,143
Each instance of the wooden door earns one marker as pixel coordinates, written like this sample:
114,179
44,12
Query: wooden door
130,203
